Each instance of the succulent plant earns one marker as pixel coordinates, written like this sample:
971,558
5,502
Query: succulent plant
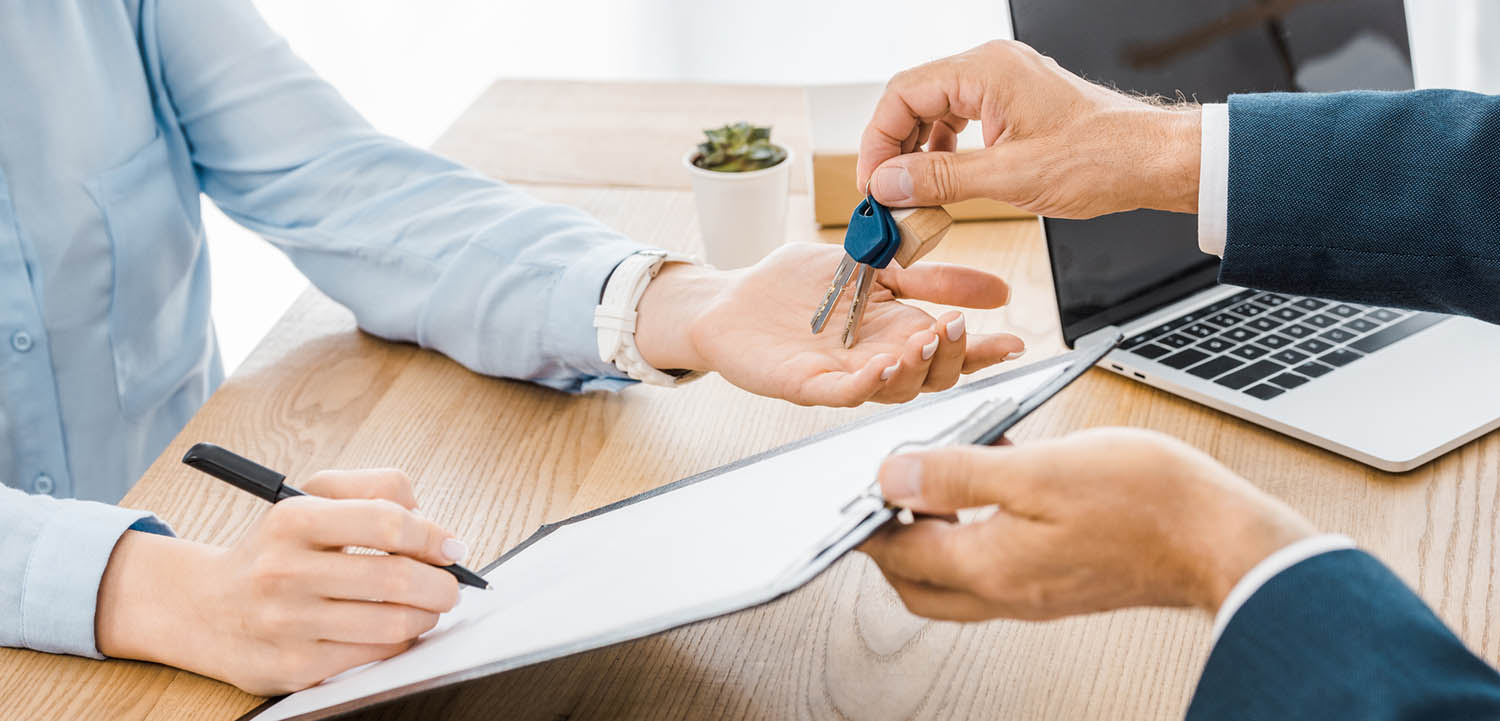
738,148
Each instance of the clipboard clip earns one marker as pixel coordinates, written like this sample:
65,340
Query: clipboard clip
968,430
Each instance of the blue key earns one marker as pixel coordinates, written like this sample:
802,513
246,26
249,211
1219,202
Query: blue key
870,243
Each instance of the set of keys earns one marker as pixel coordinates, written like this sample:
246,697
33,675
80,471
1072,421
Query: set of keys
876,236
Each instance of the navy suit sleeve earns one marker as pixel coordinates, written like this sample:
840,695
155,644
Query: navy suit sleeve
1382,198
1335,637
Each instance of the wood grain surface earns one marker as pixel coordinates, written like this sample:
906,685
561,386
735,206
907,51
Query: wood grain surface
493,459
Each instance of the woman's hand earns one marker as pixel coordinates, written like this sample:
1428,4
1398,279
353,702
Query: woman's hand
285,607
1055,144
1095,521
751,326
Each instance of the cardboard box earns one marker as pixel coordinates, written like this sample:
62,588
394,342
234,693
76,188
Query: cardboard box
837,114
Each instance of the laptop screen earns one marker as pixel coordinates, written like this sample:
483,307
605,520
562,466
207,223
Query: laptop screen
1110,269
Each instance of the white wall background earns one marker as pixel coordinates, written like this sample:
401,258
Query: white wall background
411,66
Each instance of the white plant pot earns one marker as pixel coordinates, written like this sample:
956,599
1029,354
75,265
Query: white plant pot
742,215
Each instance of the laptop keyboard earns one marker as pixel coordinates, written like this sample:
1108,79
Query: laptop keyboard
1265,344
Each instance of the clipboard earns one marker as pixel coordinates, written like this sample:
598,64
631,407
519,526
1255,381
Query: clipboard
695,549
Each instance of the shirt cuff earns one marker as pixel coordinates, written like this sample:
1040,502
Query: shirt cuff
574,299
60,589
1274,564
1213,180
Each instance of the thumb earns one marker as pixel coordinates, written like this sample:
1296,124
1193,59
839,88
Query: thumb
944,480
933,178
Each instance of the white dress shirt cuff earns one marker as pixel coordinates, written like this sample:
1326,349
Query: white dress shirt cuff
1213,180
1272,565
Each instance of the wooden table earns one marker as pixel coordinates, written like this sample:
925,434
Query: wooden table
494,459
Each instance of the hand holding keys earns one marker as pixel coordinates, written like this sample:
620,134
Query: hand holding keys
876,236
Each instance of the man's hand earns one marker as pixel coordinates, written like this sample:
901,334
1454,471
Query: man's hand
1055,144
285,607
751,326
1095,521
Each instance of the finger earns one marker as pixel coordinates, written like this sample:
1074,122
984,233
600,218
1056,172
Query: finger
984,351
926,551
939,604
380,524
946,284
339,657
388,483
944,136
943,480
906,383
948,359
365,622
390,579
923,94
842,389
939,178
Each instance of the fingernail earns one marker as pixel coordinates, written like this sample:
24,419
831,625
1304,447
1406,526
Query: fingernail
956,328
891,185
455,550
901,479
886,374
1016,354
930,348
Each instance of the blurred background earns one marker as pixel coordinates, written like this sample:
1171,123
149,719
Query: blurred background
413,66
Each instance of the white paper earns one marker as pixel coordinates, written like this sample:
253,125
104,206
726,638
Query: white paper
689,553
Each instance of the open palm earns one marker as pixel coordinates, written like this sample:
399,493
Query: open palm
756,334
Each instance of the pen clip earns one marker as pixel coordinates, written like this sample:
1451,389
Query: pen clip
238,471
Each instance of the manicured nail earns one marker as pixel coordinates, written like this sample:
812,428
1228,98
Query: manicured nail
1016,354
930,348
956,329
901,479
886,374
891,185
455,550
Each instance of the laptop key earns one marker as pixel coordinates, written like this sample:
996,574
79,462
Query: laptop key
1289,357
1265,392
1249,310
1299,331
1321,321
1385,315
1271,340
1344,310
1151,351
1223,320
1216,345
1288,313
1313,369
1240,334
1392,333
1200,330
1249,352
1340,357
1271,299
1337,335
1250,374
1176,340
1310,303
1288,380
1183,359
1313,345
1263,323
1216,367
1361,325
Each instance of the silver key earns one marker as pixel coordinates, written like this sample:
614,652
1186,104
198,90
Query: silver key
841,277
861,299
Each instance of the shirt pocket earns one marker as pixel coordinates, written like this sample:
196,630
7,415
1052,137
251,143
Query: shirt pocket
160,330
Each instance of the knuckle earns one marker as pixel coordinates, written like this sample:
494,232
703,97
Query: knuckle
943,178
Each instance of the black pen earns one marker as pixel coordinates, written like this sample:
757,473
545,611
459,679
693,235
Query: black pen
257,480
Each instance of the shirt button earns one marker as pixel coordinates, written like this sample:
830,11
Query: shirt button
44,484
21,341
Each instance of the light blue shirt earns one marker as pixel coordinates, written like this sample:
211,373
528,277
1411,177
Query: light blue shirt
114,116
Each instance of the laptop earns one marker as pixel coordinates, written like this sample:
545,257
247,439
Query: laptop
1387,387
